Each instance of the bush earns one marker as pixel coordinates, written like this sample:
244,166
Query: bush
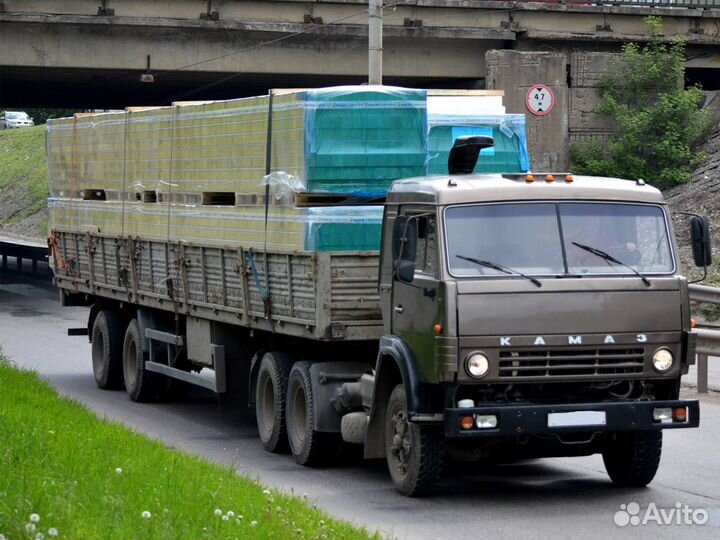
658,121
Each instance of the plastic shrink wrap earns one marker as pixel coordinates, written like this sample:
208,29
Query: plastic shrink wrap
196,171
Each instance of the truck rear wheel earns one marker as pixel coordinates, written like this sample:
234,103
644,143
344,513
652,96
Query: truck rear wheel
414,453
107,349
140,384
270,394
633,458
309,447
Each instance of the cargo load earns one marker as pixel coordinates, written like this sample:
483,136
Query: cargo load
201,171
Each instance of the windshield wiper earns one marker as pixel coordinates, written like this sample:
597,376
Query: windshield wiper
499,268
600,253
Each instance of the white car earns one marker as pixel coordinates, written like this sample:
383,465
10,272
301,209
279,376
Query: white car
13,119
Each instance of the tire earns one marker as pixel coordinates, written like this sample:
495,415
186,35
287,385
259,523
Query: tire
354,427
414,453
309,447
141,385
632,459
107,349
270,392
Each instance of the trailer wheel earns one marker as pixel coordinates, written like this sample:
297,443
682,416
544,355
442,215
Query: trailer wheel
107,349
309,447
271,388
414,453
140,384
633,458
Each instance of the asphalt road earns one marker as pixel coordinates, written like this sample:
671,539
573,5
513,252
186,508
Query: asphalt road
552,498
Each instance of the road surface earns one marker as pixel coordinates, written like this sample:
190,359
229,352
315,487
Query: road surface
553,498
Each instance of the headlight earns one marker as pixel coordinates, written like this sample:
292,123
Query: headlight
662,360
477,365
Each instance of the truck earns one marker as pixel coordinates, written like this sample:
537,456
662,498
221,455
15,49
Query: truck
504,316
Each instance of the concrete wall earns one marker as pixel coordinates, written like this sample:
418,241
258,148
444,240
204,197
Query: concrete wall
574,79
516,72
584,123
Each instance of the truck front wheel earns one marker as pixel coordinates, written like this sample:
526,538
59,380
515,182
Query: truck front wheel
633,458
107,349
272,380
414,453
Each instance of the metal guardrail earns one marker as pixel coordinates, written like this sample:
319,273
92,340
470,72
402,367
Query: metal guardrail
700,4
22,252
708,343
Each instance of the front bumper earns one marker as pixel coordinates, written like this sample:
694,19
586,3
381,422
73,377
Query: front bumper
533,419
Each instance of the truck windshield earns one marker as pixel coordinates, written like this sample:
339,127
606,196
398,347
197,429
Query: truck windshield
542,238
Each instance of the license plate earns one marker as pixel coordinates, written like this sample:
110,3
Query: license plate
577,418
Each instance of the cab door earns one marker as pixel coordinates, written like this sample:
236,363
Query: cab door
415,304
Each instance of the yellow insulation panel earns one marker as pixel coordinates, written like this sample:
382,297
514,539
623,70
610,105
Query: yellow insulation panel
215,226
205,147
86,152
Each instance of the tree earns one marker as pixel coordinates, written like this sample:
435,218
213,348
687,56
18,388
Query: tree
658,121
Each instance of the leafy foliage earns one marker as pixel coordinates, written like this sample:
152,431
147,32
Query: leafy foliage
658,121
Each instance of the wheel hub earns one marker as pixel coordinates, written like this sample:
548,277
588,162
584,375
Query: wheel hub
401,446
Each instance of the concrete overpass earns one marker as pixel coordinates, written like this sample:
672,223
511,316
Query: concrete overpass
91,53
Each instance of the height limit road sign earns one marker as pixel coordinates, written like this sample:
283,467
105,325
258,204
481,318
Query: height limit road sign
540,100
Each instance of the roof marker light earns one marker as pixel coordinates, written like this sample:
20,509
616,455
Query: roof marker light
529,178
549,178
569,178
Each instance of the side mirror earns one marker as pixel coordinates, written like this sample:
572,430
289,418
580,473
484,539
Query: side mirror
404,248
701,242
405,270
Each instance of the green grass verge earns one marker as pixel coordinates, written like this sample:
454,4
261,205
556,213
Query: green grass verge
87,479
23,164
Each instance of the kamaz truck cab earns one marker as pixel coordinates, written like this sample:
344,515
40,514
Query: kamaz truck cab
529,316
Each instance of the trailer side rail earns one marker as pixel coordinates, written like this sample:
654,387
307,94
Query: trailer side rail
317,295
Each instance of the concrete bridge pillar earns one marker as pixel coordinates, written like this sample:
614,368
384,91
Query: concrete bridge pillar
516,72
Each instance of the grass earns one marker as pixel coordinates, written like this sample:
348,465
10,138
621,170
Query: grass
23,165
85,478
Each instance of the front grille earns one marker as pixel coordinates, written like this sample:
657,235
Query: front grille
570,363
